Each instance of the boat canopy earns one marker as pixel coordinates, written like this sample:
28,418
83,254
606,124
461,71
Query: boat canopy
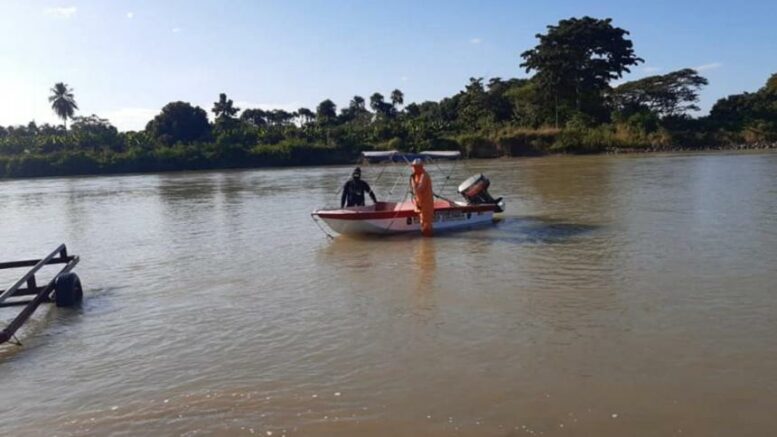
397,156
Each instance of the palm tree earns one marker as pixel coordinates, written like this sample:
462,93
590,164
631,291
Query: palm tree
305,115
257,117
357,104
326,112
224,108
377,104
63,102
397,98
281,117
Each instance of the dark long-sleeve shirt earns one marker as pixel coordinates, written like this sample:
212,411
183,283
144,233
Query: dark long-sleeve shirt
353,193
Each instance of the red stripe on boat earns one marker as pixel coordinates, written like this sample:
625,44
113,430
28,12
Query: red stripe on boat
342,214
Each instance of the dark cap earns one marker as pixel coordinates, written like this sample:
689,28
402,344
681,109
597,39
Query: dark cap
357,170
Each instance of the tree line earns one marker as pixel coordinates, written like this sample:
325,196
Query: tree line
571,103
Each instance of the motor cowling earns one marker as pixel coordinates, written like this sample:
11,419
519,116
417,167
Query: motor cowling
475,191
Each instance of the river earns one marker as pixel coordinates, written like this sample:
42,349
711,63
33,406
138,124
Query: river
618,295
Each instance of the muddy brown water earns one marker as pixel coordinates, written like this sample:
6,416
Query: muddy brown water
631,295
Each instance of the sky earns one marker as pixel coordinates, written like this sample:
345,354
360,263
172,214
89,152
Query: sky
125,59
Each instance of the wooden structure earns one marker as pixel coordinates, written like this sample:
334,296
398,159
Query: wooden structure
64,289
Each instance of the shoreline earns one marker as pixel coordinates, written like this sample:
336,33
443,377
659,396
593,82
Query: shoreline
755,147
760,146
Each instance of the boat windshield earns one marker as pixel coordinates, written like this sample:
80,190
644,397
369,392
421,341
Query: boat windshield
397,156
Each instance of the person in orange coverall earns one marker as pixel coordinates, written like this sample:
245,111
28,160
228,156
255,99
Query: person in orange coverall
421,184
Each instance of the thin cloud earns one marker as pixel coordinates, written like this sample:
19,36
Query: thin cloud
475,41
61,11
175,29
707,67
403,78
651,69
289,107
131,118
130,15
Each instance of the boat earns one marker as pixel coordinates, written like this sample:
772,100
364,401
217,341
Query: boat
476,208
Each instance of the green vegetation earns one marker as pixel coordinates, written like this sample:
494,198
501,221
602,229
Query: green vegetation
575,63
569,105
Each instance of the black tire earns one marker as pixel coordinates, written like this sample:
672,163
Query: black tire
68,291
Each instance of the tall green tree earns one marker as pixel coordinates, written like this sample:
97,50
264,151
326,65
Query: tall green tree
254,116
357,104
499,100
740,111
376,102
326,112
771,85
305,116
356,109
63,101
527,104
379,105
666,95
575,61
397,99
413,110
179,122
224,108
94,133
473,104
279,117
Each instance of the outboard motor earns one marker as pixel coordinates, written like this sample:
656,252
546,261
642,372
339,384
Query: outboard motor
475,191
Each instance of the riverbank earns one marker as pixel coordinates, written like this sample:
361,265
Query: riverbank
664,150
168,159
187,158
718,148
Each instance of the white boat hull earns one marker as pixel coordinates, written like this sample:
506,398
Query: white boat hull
398,219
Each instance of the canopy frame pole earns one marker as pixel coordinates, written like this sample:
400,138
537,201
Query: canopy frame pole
448,176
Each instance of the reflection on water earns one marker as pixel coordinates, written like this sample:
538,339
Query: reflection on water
528,230
617,296
425,261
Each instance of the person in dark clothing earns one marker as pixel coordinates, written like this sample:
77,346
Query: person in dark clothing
354,189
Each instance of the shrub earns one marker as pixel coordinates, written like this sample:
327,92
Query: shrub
396,143
440,143
476,146
579,121
760,131
527,142
75,163
29,166
582,141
